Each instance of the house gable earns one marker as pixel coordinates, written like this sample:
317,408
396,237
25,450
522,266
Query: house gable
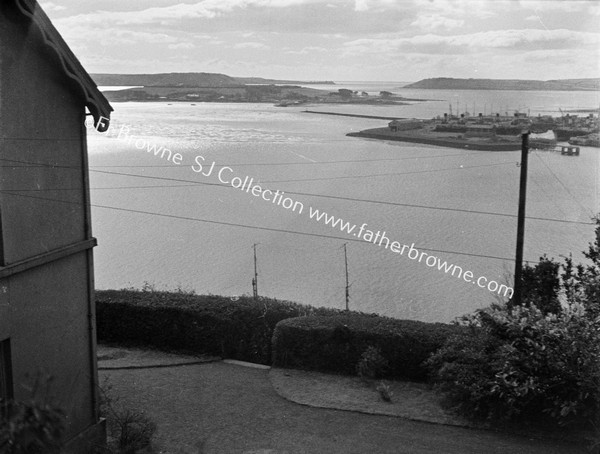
80,80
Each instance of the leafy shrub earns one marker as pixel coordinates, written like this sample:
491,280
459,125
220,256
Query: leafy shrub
536,361
583,281
518,364
33,425
208,324
541,284
129,431
30,427
335,343
371,364
135,431
384,391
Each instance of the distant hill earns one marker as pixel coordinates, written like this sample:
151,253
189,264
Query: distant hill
260,80
448,83
166,80
188,80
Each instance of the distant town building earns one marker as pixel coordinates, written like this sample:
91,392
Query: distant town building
476,130
47,313
404,125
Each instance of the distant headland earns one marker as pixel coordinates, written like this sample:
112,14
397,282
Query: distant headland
448,83
191,80
214,87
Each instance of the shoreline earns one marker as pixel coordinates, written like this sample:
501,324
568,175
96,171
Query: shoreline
378,134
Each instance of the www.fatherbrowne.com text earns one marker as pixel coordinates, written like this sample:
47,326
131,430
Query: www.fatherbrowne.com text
226,175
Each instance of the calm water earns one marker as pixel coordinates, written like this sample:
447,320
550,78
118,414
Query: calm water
206,243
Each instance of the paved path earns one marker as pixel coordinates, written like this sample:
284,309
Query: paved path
226,408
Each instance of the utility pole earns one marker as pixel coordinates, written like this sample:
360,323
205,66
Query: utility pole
521,219
347,283
255,279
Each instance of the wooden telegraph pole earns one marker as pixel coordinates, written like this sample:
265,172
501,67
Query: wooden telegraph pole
255,279
347,282
521,220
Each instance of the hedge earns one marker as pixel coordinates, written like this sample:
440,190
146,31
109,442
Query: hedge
336,343
216,325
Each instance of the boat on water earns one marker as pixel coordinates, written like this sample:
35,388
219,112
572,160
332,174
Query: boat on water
590,140
566,133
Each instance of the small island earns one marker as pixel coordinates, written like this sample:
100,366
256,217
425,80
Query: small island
210,87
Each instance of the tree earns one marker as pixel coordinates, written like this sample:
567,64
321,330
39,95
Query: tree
386,94
345,93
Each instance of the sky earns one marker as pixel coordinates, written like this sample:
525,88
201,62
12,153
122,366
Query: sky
340,40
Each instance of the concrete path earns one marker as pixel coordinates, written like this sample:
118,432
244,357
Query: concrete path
227,408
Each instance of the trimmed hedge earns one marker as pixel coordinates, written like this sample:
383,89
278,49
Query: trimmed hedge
336,343
215,325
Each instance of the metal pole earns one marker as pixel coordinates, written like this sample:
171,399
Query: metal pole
521,220
347,284
255,280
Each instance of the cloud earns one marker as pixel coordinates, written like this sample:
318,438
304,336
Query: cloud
307,50
115,37
463,8
570,6
497,39
435,21
52,7
185,45
377,5
250,45
206,9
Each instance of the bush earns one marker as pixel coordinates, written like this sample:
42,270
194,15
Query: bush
33,425
541,284
215,325
384,391
335,343
30,428
519,364
129,431
537,361
371,364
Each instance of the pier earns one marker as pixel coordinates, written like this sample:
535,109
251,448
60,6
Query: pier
373,117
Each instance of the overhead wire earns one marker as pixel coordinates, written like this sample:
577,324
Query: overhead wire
260,164
203,183
234,224
564,186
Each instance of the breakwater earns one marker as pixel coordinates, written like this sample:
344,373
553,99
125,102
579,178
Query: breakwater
353,115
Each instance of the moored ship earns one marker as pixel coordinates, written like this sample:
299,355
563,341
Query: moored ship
590,140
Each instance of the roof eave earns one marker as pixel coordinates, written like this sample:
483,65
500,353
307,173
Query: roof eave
94,100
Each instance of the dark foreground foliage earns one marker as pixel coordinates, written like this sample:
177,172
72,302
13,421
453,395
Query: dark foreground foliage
239,328
337,343
34,425
534,361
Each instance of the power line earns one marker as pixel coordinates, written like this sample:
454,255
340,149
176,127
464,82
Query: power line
288,181
299,163
491,213
202,183
564,186
269,229
387,174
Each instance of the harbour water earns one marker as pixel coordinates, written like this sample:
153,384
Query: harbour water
169,226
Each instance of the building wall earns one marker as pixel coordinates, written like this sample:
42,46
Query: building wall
40,121
46,279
